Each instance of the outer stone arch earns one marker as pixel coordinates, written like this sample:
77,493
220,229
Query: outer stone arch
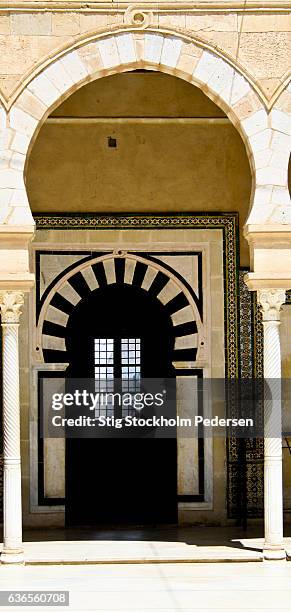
169,52
278,157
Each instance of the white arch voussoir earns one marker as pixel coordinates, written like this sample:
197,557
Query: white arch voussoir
272,162
266,136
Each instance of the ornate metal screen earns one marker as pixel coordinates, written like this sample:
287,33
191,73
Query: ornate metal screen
245,457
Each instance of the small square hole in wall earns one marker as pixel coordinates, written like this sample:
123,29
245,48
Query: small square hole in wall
111,142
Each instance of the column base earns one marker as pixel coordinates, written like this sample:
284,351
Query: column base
274,554
12,556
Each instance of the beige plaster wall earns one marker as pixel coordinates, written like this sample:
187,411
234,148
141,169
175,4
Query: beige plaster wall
257,40
157,166
138,94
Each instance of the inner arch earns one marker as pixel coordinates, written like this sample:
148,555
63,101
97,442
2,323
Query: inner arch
140,141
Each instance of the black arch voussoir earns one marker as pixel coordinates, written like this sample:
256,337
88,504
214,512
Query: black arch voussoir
61,303
119,263
185,329
177,303
53,329
158,283
78,283
139,273
99,271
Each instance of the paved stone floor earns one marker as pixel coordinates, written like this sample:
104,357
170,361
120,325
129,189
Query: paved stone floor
200,587
163,544
155,587
136,552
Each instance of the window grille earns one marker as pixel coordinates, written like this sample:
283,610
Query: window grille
117,367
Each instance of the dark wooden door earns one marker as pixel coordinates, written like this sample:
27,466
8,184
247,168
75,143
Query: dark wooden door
117,481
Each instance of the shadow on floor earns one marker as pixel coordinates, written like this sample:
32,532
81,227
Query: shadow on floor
203,535
196,535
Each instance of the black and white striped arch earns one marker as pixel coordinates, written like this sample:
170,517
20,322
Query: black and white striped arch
161,283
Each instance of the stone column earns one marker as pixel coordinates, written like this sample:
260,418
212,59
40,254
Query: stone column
271,301
10,305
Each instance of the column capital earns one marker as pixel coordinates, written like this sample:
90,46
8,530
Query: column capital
271,301
10,306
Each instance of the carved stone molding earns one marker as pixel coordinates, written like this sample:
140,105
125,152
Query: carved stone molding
271,301
10,306
203,6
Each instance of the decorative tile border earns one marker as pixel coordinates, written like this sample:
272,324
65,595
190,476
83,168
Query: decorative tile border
258,339
251,332
246,328
245,458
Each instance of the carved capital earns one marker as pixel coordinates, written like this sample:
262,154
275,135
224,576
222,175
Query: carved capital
271,301
10,306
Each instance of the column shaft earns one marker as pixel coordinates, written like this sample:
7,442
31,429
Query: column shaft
271,302
10,303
